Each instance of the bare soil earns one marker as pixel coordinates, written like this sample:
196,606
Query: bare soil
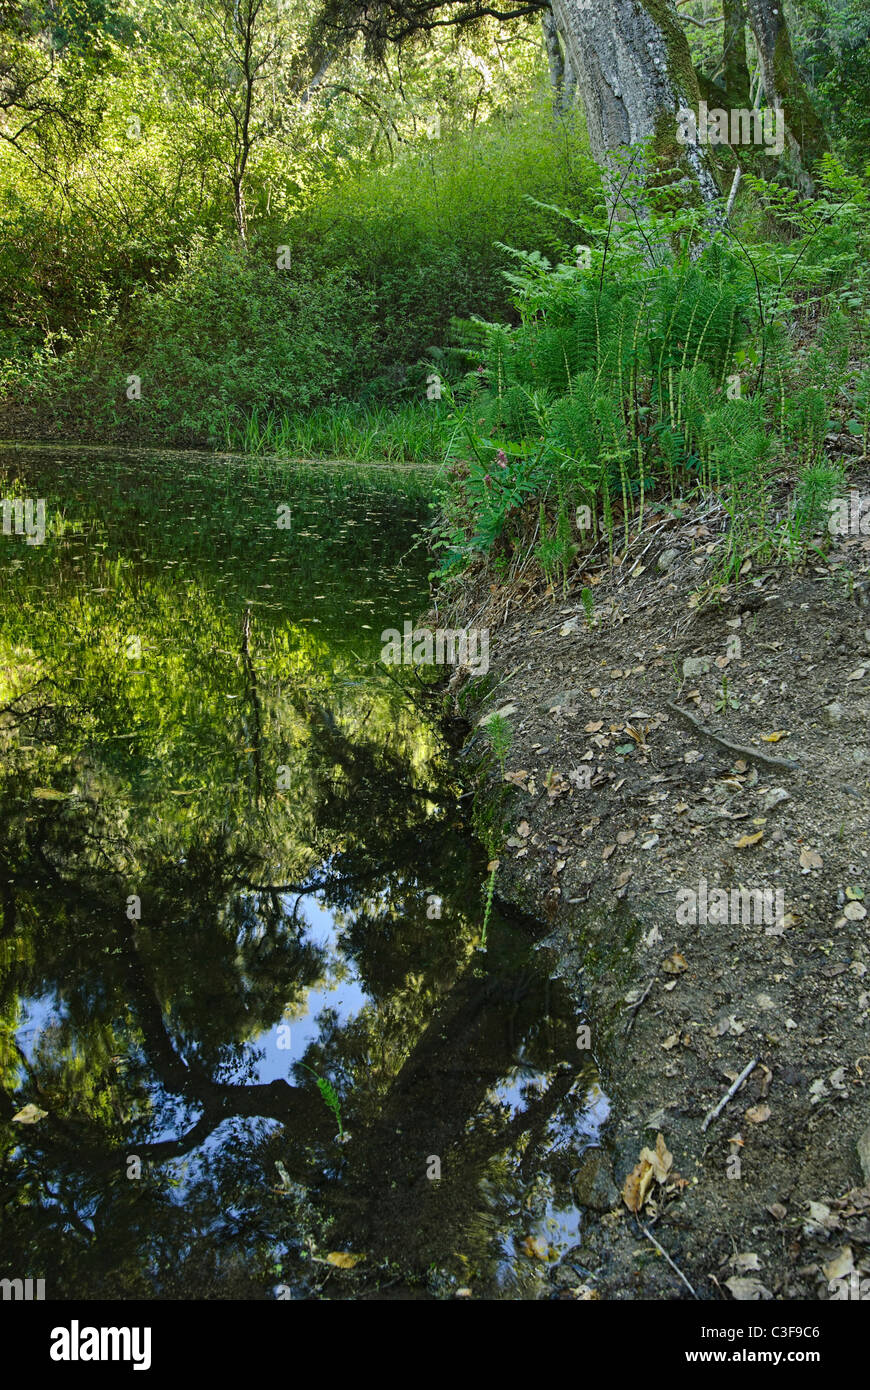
772,1199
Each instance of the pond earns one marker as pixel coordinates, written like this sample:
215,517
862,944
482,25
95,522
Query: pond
251,1044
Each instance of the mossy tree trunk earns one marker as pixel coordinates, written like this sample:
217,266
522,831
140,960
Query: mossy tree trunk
735,68
634,72
783,84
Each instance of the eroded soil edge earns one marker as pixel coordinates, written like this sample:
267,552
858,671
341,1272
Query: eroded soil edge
669,808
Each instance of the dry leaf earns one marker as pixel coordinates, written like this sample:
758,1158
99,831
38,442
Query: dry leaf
747,1290
535,1247
637,1185
661,1160
757,1114
343,1259
30,1115
841,1265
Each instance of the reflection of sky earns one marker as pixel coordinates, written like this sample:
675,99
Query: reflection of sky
36,1015
340,991
540,1241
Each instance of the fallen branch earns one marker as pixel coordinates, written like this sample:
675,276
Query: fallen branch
753,753
733,194
629,1024
662,1251
732,1090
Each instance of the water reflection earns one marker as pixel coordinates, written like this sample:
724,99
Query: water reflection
220,832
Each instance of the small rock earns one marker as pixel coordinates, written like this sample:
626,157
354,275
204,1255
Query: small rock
594,1186
833,712
696,666
502,712
864,1153
775,797
565,699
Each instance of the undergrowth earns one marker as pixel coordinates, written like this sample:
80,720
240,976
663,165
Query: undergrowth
663,357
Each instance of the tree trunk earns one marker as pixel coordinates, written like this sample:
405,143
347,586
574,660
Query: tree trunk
783,84
735,68
562,78
634,72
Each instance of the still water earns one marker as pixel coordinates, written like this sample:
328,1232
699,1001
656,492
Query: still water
252,1042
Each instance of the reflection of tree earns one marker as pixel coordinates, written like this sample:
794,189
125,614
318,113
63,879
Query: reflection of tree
122,780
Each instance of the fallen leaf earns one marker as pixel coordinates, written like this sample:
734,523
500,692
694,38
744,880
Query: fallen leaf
535,1247
747,1290
637,1185
343,1259
757,1114
30,1115
841,1265
661,1160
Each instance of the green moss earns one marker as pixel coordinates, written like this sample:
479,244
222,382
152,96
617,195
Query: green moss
680,68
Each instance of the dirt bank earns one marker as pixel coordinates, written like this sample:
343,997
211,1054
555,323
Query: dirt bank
621,797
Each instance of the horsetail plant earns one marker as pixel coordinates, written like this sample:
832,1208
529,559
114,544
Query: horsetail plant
329,1094
488,890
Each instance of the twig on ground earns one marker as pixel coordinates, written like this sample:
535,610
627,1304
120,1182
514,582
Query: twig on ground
732,1090
629,1024
752,753
675,1267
